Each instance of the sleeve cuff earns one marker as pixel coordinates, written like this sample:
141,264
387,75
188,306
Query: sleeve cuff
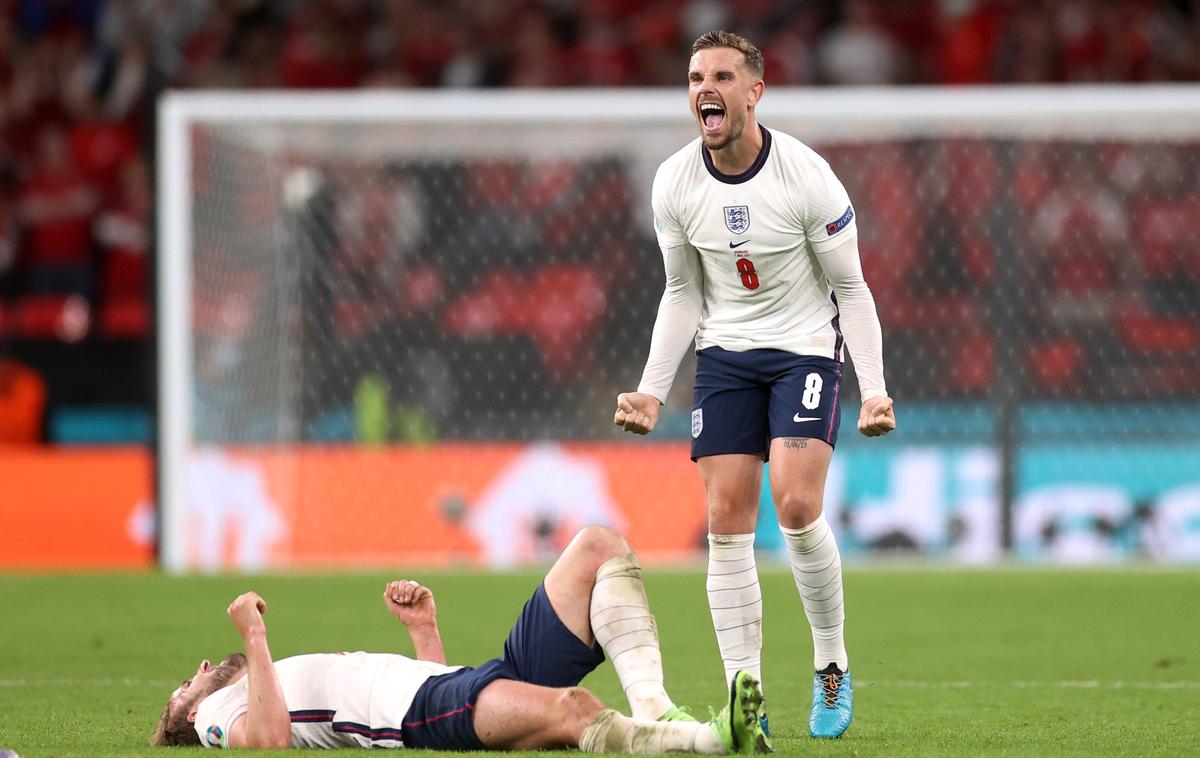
657,392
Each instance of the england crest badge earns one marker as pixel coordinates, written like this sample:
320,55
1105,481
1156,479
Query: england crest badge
737,218
697,422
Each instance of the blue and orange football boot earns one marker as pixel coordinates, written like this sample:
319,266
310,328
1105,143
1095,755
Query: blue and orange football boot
832,703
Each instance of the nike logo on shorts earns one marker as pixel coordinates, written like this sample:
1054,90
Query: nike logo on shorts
800,420
732,246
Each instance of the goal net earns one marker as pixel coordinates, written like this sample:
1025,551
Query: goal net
392,325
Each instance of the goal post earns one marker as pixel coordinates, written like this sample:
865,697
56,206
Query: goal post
411,309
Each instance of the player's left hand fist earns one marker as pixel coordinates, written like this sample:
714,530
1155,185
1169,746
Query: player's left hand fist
877,417
410,602
246,613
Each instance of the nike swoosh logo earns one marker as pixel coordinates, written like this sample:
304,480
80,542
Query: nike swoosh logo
732,246
799,420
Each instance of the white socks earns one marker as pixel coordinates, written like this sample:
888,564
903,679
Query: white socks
626,631
613,733
735,600
817,568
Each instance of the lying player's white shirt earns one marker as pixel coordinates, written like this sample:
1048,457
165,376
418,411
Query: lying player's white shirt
335,699
757,236
775,217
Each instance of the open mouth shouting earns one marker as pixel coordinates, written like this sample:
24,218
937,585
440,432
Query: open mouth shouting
712,116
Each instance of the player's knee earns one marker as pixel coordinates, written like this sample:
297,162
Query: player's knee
601,543
731,513
731,496
578,707
797,510
574,710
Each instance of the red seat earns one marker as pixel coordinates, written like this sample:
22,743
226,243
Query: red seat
557,306
974,361
1158,334
1055,363
125,317
492,308
5,320
66,318
565,304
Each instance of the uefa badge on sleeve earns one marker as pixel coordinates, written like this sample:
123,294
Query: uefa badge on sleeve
213,736
697,422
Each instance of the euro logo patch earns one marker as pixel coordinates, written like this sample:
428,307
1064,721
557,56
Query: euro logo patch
214,735
737,218
697,422
834,227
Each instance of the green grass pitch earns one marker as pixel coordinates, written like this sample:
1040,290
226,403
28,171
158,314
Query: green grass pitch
948,662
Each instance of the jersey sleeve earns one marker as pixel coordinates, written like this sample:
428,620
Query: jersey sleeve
667,226
826,212
218,711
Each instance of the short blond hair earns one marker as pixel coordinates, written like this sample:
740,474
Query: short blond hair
721,38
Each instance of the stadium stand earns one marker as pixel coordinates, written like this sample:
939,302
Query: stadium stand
78,82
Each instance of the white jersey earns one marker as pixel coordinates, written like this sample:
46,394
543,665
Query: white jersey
757,235
335,699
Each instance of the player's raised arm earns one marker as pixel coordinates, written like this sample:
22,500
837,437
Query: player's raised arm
864,337
266,725
412,604
678,317
674,329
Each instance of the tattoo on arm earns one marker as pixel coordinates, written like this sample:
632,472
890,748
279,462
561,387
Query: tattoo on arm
795,443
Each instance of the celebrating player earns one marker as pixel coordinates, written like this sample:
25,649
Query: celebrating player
759,242
591,602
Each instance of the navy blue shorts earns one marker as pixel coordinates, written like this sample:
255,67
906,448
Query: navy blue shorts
743,400
539,650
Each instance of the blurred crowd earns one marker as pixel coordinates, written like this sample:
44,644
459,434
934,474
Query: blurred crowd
78,80
470,298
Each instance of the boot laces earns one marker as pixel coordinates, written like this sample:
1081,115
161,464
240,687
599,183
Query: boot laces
831,685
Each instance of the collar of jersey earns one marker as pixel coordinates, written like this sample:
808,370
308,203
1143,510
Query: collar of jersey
749,173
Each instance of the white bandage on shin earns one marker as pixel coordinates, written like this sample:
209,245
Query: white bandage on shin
735,601
817,569
625,629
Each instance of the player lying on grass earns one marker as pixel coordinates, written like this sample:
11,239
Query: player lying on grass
590,603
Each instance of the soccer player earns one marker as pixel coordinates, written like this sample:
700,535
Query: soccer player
759,242
591,602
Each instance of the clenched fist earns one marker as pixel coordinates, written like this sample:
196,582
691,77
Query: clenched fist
637,412
877,417
411,603
246,613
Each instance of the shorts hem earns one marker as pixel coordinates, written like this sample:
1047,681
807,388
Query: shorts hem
708,454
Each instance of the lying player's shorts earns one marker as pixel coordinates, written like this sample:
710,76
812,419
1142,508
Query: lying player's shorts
539,650
743,400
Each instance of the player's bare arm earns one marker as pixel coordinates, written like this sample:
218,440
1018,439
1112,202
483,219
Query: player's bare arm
266,725
412,604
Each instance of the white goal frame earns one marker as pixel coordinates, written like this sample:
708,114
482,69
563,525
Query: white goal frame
1092,112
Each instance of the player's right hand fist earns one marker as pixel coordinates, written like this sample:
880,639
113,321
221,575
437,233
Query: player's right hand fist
411,602
637,412
246,613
